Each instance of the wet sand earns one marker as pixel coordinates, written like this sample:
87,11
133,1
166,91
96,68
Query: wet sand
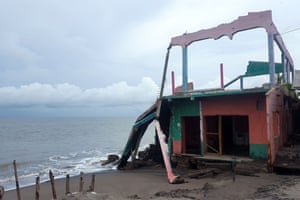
151,183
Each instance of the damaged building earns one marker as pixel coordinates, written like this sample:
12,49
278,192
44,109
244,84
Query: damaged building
225,123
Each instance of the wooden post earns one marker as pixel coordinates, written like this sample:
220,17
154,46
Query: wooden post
233,165
68,184
201,130
37,188
221,76
17,182
92,186
81,182
220,134
52,184
1,192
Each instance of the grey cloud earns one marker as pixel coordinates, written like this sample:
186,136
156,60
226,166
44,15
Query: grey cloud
94,45
60,95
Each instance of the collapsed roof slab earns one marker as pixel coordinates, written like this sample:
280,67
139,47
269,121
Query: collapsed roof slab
251,21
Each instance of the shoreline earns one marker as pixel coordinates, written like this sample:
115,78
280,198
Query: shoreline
58,178
28,192
152,183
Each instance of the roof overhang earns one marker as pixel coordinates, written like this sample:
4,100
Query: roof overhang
218,93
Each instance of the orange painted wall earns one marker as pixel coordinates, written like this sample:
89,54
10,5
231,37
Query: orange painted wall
177,146
252,105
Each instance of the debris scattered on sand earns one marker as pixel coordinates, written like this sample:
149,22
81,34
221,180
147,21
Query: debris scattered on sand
86,196
181,193
135,196
202,173
279,190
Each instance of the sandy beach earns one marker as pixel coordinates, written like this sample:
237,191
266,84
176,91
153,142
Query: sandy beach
151,183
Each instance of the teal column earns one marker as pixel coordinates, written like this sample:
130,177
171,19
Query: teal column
242,83
184,69
271,58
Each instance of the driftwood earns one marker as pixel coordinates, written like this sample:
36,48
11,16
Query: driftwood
201,173
1,192
92,186
52,184
245,172
17,181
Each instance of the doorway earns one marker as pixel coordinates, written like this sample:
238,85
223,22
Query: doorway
235,131
191,135
227,134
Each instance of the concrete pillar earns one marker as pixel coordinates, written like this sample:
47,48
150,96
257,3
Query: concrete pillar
271,58
184,70
283,62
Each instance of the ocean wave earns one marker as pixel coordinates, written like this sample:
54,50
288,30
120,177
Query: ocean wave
73,164
57,158
100,136
73,155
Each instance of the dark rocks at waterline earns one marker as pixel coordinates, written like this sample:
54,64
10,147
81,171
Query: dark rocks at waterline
153,153
110,159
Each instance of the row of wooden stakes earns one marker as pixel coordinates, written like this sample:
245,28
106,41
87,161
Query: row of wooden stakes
51,177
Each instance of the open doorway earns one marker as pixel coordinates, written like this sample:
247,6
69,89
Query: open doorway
191,135
212,134
227,134
235,134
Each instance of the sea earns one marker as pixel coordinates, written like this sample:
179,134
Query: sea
62,145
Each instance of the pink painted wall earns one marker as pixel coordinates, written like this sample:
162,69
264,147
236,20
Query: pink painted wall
276,120
252,105
190,87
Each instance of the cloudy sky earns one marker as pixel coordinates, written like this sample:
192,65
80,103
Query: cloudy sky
105,58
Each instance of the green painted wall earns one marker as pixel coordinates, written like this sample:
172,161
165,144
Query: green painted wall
259,151
181,108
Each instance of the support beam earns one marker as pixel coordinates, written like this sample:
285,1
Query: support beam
173,82
242,83
184,70
220,134
293,75
288,72
201,130
164,73
221,76
271,58
283,62
173,179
